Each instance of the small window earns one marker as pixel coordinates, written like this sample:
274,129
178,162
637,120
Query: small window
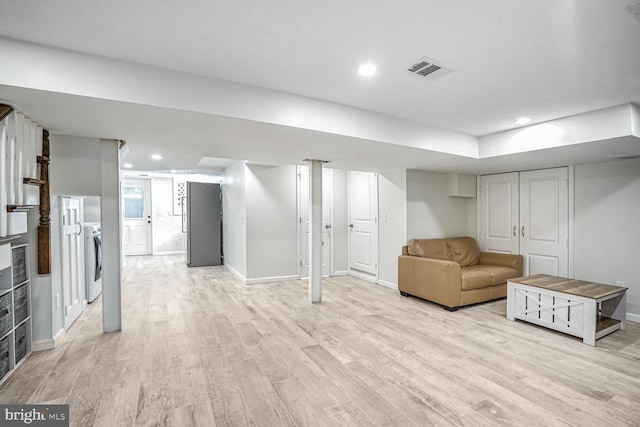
133,203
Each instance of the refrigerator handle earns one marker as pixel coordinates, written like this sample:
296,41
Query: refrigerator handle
184,223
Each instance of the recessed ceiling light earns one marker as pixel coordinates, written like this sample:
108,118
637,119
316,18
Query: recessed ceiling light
127,165
367,70
156,157
523,120
174,171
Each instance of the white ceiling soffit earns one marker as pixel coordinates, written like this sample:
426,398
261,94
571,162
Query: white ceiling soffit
214,164
601,125
153,129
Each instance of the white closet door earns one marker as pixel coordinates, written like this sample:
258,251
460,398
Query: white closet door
363,210
72,256
544,219
499,213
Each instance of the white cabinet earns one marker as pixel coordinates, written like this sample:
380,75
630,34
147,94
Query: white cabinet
15,307
527,213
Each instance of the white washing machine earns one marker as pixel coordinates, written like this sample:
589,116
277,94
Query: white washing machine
93,260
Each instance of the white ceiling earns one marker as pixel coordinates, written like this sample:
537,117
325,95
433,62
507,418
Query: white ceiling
544,59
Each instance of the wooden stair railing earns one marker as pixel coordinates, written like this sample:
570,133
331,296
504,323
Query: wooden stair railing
44,234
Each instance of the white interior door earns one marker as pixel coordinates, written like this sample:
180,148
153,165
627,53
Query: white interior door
303,215
363,221
72,256
499,213
544,219
137,217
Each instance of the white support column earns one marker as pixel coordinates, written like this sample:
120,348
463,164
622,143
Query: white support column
315,230
110,222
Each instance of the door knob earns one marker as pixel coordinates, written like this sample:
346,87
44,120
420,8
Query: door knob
350,225
328,226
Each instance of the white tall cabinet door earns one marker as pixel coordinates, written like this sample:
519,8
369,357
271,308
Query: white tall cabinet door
499,213
363,221
544,221
303,212
72,257
527,213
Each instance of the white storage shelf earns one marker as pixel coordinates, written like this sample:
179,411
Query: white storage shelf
15,307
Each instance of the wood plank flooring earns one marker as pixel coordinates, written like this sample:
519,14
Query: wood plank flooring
198,348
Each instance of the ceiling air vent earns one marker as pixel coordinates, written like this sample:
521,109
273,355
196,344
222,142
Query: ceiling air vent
430,69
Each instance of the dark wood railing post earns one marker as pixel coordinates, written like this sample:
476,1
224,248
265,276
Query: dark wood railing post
44,234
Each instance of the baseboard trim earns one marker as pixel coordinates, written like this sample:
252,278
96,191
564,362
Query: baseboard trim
388,284
49,344
235,273
270,279
631,317
363,276
169,253
341,273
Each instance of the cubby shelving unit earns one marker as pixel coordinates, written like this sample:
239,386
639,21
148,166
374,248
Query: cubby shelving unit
15,307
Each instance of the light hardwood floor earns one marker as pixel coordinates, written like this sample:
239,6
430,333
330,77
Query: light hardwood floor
199,348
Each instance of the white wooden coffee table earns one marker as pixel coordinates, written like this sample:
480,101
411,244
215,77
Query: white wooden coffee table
584,309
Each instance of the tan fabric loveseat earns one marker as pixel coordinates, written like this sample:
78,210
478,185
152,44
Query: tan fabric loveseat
453,272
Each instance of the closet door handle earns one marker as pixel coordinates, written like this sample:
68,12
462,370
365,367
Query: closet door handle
514,230
523,231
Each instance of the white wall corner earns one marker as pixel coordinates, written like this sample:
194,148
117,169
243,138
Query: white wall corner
363,276
236,273
341,273
389,285
48,344
258,280
631,317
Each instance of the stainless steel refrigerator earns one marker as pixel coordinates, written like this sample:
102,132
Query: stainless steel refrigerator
202,223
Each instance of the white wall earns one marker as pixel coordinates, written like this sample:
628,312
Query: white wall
91,209
167,227
607,228
74,170
431,212
271,221
46,319
392,224
75,165
234,229
340,222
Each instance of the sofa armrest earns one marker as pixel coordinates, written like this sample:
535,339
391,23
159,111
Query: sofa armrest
506,260
432,279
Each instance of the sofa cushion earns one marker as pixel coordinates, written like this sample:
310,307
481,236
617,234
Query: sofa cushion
501,274
429,248
464,251
482,276
475,277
